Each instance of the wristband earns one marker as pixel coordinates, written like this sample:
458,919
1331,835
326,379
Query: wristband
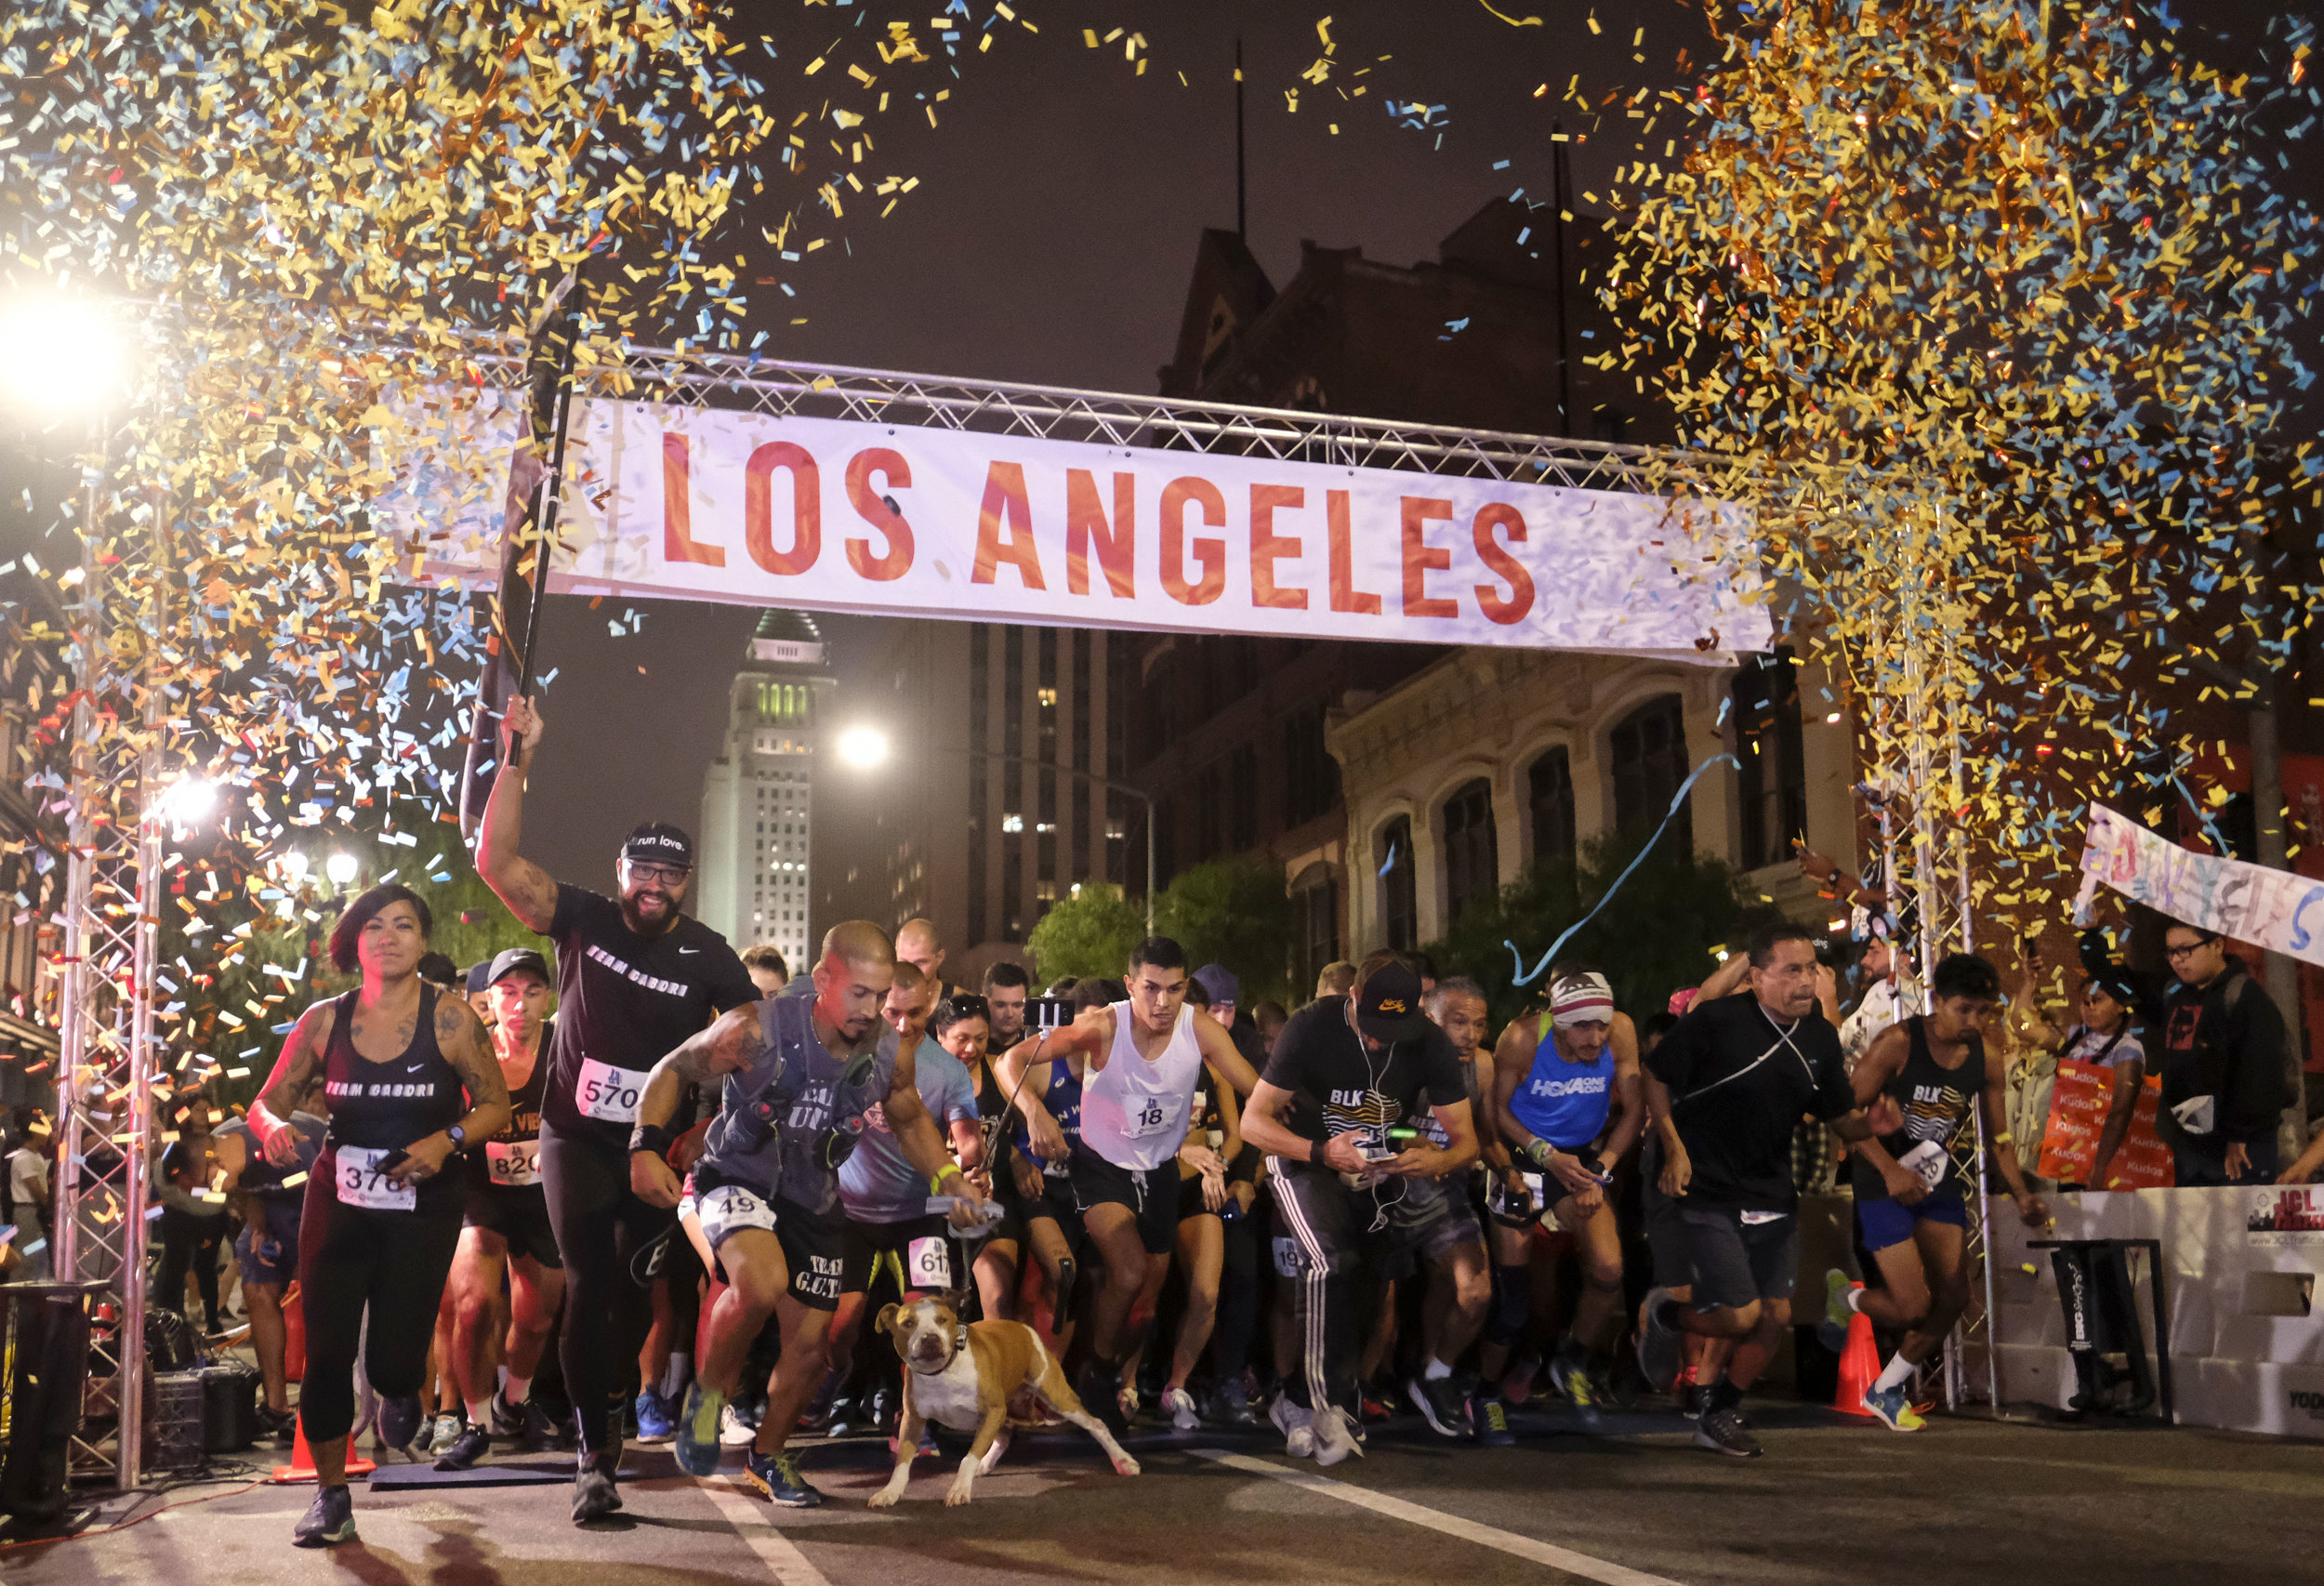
651,1137
936,1180
1539,1152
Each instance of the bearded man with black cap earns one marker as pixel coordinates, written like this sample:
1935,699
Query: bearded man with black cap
635,979
1345,1070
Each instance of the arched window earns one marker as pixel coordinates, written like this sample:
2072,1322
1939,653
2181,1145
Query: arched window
1648,751
1399,912
1471,853
1550,787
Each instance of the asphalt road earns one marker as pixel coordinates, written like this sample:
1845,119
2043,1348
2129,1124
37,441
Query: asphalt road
1831,1502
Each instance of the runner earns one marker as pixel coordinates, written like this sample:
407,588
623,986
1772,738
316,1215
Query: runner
1006,989
1146,1056
963,1026
506,1229
267,1249
1917,1081
1436,1219
764,964
635,978
1045,1197
1733,1077
382,1214
1213,1142
801,1076
1570,1109
1343,1072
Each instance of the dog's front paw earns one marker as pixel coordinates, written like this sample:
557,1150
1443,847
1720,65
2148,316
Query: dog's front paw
958,1492
886,1497
1124,1466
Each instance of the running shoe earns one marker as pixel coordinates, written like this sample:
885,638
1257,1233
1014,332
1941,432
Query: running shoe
508,1420
402,1421
448,1430
1571,1376
278,1424
1126,1402
1181,1405
1370,1407
543,1430
1230,1403
1658,1343
738,1426
817,1416
1442,1403
329,1520
1722,1432
698,1441
1696,1400
1492,1421
472,1445
1292,1420
1894,1410
1334,1440
1101,1396
777,1475
1832,1331
594,1495
1517,1382
656,1419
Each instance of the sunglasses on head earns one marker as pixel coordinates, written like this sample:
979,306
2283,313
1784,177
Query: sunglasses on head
967,1005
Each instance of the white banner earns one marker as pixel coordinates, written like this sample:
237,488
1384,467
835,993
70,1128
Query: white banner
2273,909
843,515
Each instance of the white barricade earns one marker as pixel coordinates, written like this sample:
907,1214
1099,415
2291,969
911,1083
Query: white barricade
2239,1270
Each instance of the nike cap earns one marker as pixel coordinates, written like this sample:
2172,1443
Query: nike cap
1388,1009
510,959
658,842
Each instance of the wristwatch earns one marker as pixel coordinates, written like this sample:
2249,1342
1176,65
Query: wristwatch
457,1135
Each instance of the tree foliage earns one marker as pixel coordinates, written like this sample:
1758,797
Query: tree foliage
1234,912
1089,934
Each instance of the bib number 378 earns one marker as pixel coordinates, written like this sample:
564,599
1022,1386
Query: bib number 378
359,1182
608,1093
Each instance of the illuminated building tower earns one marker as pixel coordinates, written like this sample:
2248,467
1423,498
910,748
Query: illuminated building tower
758,799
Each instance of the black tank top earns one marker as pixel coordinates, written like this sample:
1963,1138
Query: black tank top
388,1105
524,1101
1936,1101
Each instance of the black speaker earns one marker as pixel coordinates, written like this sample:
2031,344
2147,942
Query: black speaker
229,1407
44,1370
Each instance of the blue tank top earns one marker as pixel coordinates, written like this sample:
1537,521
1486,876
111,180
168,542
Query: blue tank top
1063,1101
1565,1104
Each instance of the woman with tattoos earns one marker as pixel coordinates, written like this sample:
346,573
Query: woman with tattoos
406,1077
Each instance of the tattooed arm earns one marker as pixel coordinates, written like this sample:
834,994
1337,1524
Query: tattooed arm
527,888
460,1036
295,1086
732,1043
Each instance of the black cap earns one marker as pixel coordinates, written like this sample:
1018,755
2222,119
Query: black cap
1388,1009
509,959
658,842
479,975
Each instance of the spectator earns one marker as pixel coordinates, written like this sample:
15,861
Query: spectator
2224,1066
192,1229
27,1196
2113,1005
1888,997
1269,1018
1334,979
767,970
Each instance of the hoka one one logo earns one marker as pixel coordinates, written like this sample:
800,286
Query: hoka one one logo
1587,1085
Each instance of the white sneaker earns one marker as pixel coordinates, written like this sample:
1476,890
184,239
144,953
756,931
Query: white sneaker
1298,1436
1333,1443
1180,1404
733,1431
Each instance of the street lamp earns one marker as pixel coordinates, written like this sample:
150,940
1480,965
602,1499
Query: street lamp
188,801
340,867
64,357
865,747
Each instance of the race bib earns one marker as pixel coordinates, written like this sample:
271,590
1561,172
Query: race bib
513,1163
1152,1116
1287,1257
728,1209
608,1093
1928,1162
359,1181
928,1263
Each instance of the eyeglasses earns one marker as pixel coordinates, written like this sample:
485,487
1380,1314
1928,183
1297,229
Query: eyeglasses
2184,948
669,875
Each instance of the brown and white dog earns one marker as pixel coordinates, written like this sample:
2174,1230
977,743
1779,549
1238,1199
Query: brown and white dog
969,1378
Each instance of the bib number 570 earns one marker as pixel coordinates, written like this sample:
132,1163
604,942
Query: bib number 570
608,1093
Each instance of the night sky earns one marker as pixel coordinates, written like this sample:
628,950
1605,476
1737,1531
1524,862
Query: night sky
1050,240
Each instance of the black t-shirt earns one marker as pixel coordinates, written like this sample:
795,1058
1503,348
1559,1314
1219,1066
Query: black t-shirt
1339,1084
625,1002
1739,1082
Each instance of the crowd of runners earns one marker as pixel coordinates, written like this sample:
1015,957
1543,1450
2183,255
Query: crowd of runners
699,1172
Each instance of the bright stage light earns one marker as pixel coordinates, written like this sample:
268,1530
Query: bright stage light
866,749
340,867
188,801
60,357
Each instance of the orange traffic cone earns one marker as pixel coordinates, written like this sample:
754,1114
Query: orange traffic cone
302,1462
1860,1365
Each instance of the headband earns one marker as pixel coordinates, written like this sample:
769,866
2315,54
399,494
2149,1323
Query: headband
1581,1000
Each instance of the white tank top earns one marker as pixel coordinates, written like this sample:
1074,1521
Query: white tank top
1134,1112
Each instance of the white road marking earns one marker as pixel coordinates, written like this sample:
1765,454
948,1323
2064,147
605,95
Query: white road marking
750,1519
1556,1558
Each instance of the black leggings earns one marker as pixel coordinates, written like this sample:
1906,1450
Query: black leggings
1239,1297
396,1262
602,1230
190,1243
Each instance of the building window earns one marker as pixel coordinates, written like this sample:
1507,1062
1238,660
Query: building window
1773,783
1242,798
1550,787
1399,910
1311,777
1315,910
1472,851
1648,752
